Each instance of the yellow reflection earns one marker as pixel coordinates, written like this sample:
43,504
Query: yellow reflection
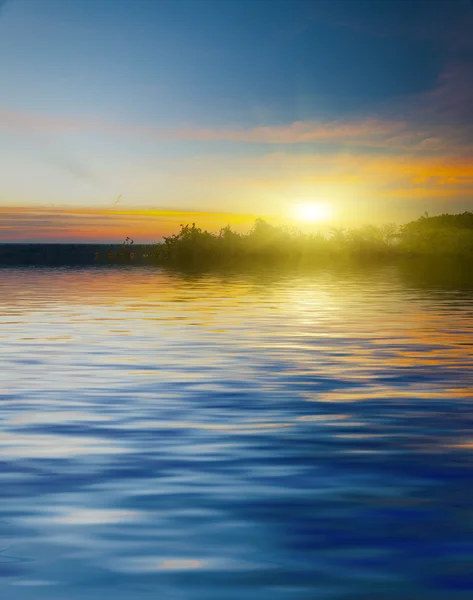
82,516
238,428
464,446
322,417
180,564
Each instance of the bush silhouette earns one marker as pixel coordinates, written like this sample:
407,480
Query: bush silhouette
444,234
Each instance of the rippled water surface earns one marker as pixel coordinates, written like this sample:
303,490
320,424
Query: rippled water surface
214,437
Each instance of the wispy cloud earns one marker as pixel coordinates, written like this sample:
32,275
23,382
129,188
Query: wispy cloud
302,132
369,130
451,100
425,126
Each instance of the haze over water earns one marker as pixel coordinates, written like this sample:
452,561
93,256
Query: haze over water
262,435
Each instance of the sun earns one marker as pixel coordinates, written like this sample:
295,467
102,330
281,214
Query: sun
312,212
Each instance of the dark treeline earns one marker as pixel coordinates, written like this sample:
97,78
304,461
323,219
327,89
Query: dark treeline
444,235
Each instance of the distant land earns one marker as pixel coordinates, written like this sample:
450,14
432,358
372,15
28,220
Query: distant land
443,235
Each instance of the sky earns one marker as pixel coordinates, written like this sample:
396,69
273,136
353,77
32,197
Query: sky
128,117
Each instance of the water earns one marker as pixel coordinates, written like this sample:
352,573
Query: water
225,436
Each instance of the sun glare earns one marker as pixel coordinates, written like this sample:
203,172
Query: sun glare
312,212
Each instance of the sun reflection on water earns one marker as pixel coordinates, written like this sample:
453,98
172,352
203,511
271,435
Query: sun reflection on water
228,435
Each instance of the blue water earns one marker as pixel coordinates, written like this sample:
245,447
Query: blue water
235,436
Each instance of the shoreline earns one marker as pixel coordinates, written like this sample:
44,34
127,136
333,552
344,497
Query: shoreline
67,254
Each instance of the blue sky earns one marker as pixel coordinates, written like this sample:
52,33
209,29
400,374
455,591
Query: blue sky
215,61
236,105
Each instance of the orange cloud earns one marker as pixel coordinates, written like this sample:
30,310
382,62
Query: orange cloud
382,171
97,225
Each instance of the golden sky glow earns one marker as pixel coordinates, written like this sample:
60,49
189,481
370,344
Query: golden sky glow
312,212
218,137
23,224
